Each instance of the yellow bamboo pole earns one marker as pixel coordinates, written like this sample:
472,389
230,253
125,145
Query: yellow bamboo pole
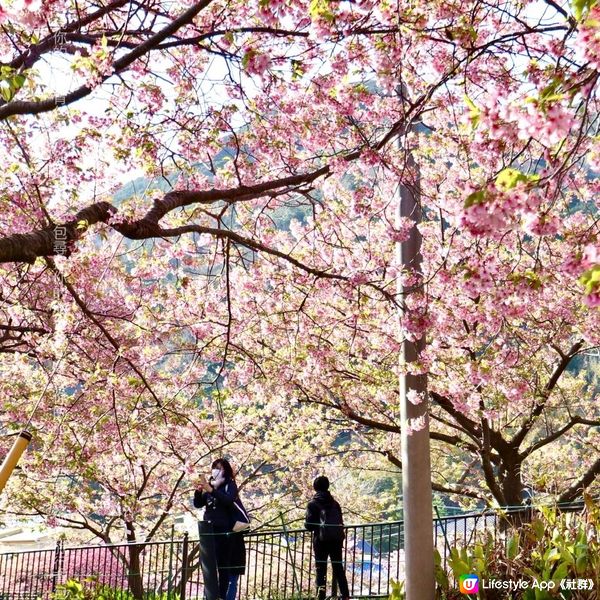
13,456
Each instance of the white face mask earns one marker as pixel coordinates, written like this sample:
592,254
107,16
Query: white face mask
216,473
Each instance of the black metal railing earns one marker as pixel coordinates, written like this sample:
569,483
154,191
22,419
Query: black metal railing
279,564
127,571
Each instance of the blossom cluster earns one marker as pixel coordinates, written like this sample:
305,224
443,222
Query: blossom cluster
29,13
588,38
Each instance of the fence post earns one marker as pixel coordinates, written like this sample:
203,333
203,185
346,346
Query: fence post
287,548
56,568
171,578
184,566
443,528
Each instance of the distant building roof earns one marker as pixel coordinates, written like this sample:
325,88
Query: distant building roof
13,540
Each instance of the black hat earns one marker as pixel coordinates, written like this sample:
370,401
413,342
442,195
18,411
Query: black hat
321,483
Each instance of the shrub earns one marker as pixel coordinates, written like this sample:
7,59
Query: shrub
91,589
552,548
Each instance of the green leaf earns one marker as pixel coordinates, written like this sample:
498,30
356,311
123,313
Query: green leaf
581,7
509,178
538,529
551,554
441,576
590,279
473,198
247,56
458,562
551,90
475,113
297,69
560,572
512,548
18,81
567,554
5,91
530,572
542,595
581,563
321,8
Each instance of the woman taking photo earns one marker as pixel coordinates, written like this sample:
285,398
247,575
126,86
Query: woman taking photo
218,494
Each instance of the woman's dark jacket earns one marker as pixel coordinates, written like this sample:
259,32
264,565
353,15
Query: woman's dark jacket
220,511
219,504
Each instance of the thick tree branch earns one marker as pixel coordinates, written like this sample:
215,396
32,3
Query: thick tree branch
33,107
560,368
27,59
372,423
469,426
51,241
559,9
221,32
397,462
181,198
453,440
557,434
488,470
584,481
23,329
26,247
443,489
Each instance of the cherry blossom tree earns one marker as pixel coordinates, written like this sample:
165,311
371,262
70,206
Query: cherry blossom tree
258,250
513,370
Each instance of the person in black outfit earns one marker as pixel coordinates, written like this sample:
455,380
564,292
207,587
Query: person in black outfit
218,494
321,502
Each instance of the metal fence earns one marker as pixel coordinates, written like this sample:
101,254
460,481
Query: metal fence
279,564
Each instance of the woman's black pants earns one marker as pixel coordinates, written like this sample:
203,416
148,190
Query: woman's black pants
223,552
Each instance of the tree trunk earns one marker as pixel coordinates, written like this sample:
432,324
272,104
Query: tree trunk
509,476
134,571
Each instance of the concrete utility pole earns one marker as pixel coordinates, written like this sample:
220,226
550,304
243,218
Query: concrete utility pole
416,462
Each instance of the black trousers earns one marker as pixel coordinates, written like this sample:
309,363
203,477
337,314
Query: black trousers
333,551
223,553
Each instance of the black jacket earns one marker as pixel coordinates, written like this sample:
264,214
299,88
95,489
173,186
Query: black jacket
219,505
320,500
